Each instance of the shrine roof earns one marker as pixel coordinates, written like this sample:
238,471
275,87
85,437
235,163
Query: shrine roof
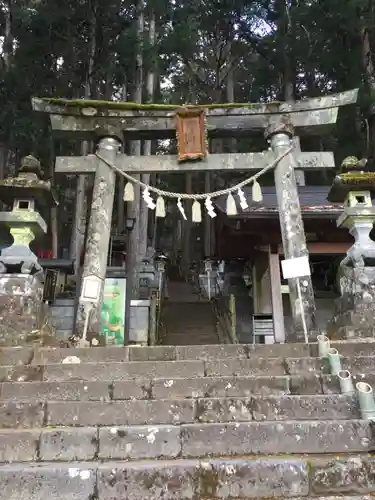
313,201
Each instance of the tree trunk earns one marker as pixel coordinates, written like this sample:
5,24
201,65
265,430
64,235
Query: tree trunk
121,183
150,87
369,71
8,35
286,31
7,58
207,219
83,181
133,210
53,212
186,231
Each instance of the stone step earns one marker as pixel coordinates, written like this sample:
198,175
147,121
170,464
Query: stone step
217,479
115,371
30,414
230,367
176,388
70,444
15,355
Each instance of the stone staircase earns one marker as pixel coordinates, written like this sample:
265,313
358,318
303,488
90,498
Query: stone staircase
188,318
187,422
189,324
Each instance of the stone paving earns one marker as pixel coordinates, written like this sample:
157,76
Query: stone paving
186,422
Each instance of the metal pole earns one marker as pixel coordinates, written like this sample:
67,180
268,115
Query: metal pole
302,312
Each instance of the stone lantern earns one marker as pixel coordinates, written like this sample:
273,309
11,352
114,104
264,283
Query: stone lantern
355,311
21,275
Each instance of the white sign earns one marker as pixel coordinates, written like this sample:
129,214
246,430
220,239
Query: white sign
91,287
296,268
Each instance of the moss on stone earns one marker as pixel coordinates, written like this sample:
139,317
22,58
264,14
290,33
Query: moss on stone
358,178
125,105
209,482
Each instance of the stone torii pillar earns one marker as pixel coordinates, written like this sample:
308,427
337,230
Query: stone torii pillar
98,236
301,293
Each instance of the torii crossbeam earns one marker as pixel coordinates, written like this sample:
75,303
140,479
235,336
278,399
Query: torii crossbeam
278,121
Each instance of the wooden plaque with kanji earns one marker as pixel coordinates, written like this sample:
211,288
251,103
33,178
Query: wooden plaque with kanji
191,134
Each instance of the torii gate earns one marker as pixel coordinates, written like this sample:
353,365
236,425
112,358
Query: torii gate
277,121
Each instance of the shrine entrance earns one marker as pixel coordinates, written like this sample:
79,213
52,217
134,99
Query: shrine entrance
110,123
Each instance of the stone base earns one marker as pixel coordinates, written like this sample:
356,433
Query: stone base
355,309
21,308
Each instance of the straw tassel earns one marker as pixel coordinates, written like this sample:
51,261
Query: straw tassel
257,192
129,192
231,205
196,212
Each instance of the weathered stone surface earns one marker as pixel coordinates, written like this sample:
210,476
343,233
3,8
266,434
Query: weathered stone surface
69,444
301,293
355,309
154,353
148,481
212,352
351,475
109,354
134,412
331,384
3,373
15,356
214,479
23,373
336,497
138,442
123,371
304,366
238,439
18,446
256,366
66,481
328,407
16,415
233,121
359,364
224,410
245,479
309,384
292,350
20,305
132,389
56,391
360,348
99,228
218,387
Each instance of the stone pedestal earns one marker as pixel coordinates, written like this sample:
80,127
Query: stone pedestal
21,308
355,309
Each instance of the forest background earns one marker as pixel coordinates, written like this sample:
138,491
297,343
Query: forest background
176,51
